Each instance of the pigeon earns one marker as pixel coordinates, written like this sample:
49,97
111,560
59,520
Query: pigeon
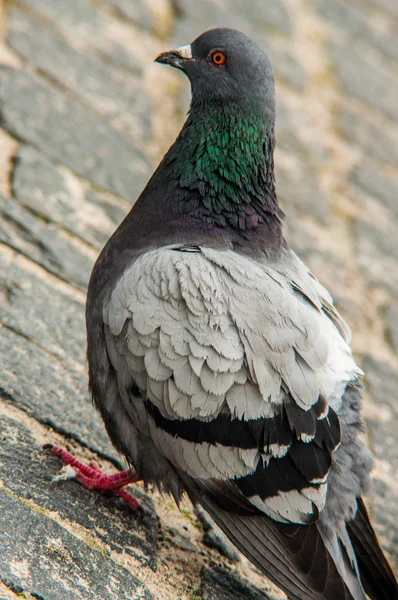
218,362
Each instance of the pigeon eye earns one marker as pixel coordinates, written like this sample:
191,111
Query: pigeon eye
218,58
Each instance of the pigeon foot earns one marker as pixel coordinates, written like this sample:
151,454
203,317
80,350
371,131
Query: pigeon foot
93,477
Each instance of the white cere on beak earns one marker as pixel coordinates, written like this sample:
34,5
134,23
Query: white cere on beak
185,51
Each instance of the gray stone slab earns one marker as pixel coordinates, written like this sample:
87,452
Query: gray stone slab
137,11
286,67
88,29
391,8
353,20
105,87
40,312
298,188
344,17
289,124
377,252
60,198
49,390
382,382
71,134
378,185
28,472
369,82
392,325
40,557
112,208
377,141
218,584
44,243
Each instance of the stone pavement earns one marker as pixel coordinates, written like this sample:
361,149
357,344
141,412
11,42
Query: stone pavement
84,117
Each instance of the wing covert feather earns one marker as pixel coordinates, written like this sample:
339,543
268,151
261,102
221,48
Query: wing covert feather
217,335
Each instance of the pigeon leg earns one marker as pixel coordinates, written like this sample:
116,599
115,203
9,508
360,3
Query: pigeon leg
93,477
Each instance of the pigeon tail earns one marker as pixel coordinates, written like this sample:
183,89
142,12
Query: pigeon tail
342,552
377,576
294,557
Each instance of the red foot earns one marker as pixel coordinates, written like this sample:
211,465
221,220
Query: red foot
94,478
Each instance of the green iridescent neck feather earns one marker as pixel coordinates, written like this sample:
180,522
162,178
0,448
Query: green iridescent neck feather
225,157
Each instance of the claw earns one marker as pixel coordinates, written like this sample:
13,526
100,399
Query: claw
93,477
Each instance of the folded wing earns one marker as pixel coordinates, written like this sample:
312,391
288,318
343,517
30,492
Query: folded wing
240,376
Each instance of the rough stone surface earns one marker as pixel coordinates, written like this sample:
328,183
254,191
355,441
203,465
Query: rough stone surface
392,325
384,5
377,141
89,30
139,12
27,472
95,81
377,248
351,19
370,83
44,242
84,116
56,326
36,382
376,184
299,188
381,420
55,563
71,134
60,198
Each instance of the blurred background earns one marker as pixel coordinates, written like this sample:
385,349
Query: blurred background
85,116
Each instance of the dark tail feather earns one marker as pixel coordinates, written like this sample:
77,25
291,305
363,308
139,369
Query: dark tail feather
293,557
376,575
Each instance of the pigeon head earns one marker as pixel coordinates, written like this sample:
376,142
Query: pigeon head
224,66
221,164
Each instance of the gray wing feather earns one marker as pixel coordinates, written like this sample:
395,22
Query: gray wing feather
210,331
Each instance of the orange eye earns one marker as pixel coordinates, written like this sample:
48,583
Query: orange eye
218,58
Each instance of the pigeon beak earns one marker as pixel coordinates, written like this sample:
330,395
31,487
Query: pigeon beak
175,58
